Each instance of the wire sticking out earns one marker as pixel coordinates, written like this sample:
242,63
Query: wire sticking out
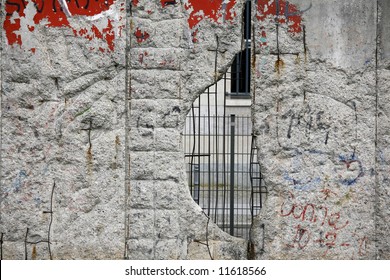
207,235
51,220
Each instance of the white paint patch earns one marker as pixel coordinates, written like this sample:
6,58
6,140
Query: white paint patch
65,8
112,12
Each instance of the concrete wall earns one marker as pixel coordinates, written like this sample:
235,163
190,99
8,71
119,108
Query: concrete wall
93,104
383,126
317,93
93,101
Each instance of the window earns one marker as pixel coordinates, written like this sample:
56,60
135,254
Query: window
240,70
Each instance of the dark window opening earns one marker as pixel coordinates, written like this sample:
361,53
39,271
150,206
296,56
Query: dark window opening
240,71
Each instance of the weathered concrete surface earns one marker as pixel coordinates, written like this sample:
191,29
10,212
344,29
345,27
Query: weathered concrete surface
92,107
315,114
63,139
174,56
383,128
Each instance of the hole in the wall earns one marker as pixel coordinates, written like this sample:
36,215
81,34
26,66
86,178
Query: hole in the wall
222,169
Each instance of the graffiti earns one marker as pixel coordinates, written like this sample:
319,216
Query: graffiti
313,215
18,182
354,169
327,193
55,14
303,184
317,225
302,178
301,238
308,120
362,246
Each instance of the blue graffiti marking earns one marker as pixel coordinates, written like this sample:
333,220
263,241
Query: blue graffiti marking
348,161
303,185
18,182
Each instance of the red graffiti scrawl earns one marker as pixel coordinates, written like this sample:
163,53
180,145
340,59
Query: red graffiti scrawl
53,14
213,10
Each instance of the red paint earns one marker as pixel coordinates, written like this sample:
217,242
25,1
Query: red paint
327,193
51,13
281,12
308,214
213,10
109,35
141,35
263,39
285,11
334,219
11,7
363,246
165,3
309,211
193,34
135,2
302,237
141,58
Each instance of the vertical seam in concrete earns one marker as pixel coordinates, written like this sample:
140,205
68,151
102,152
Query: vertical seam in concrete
1,111
376,191
51,220
127,126
253,62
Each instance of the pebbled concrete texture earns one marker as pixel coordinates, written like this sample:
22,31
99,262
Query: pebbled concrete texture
92,110
382,152
316,102
93,106
63,145
181,56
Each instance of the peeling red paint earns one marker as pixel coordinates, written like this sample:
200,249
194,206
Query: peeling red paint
141,35
193,34
213,10
10,26
51,13
283,10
